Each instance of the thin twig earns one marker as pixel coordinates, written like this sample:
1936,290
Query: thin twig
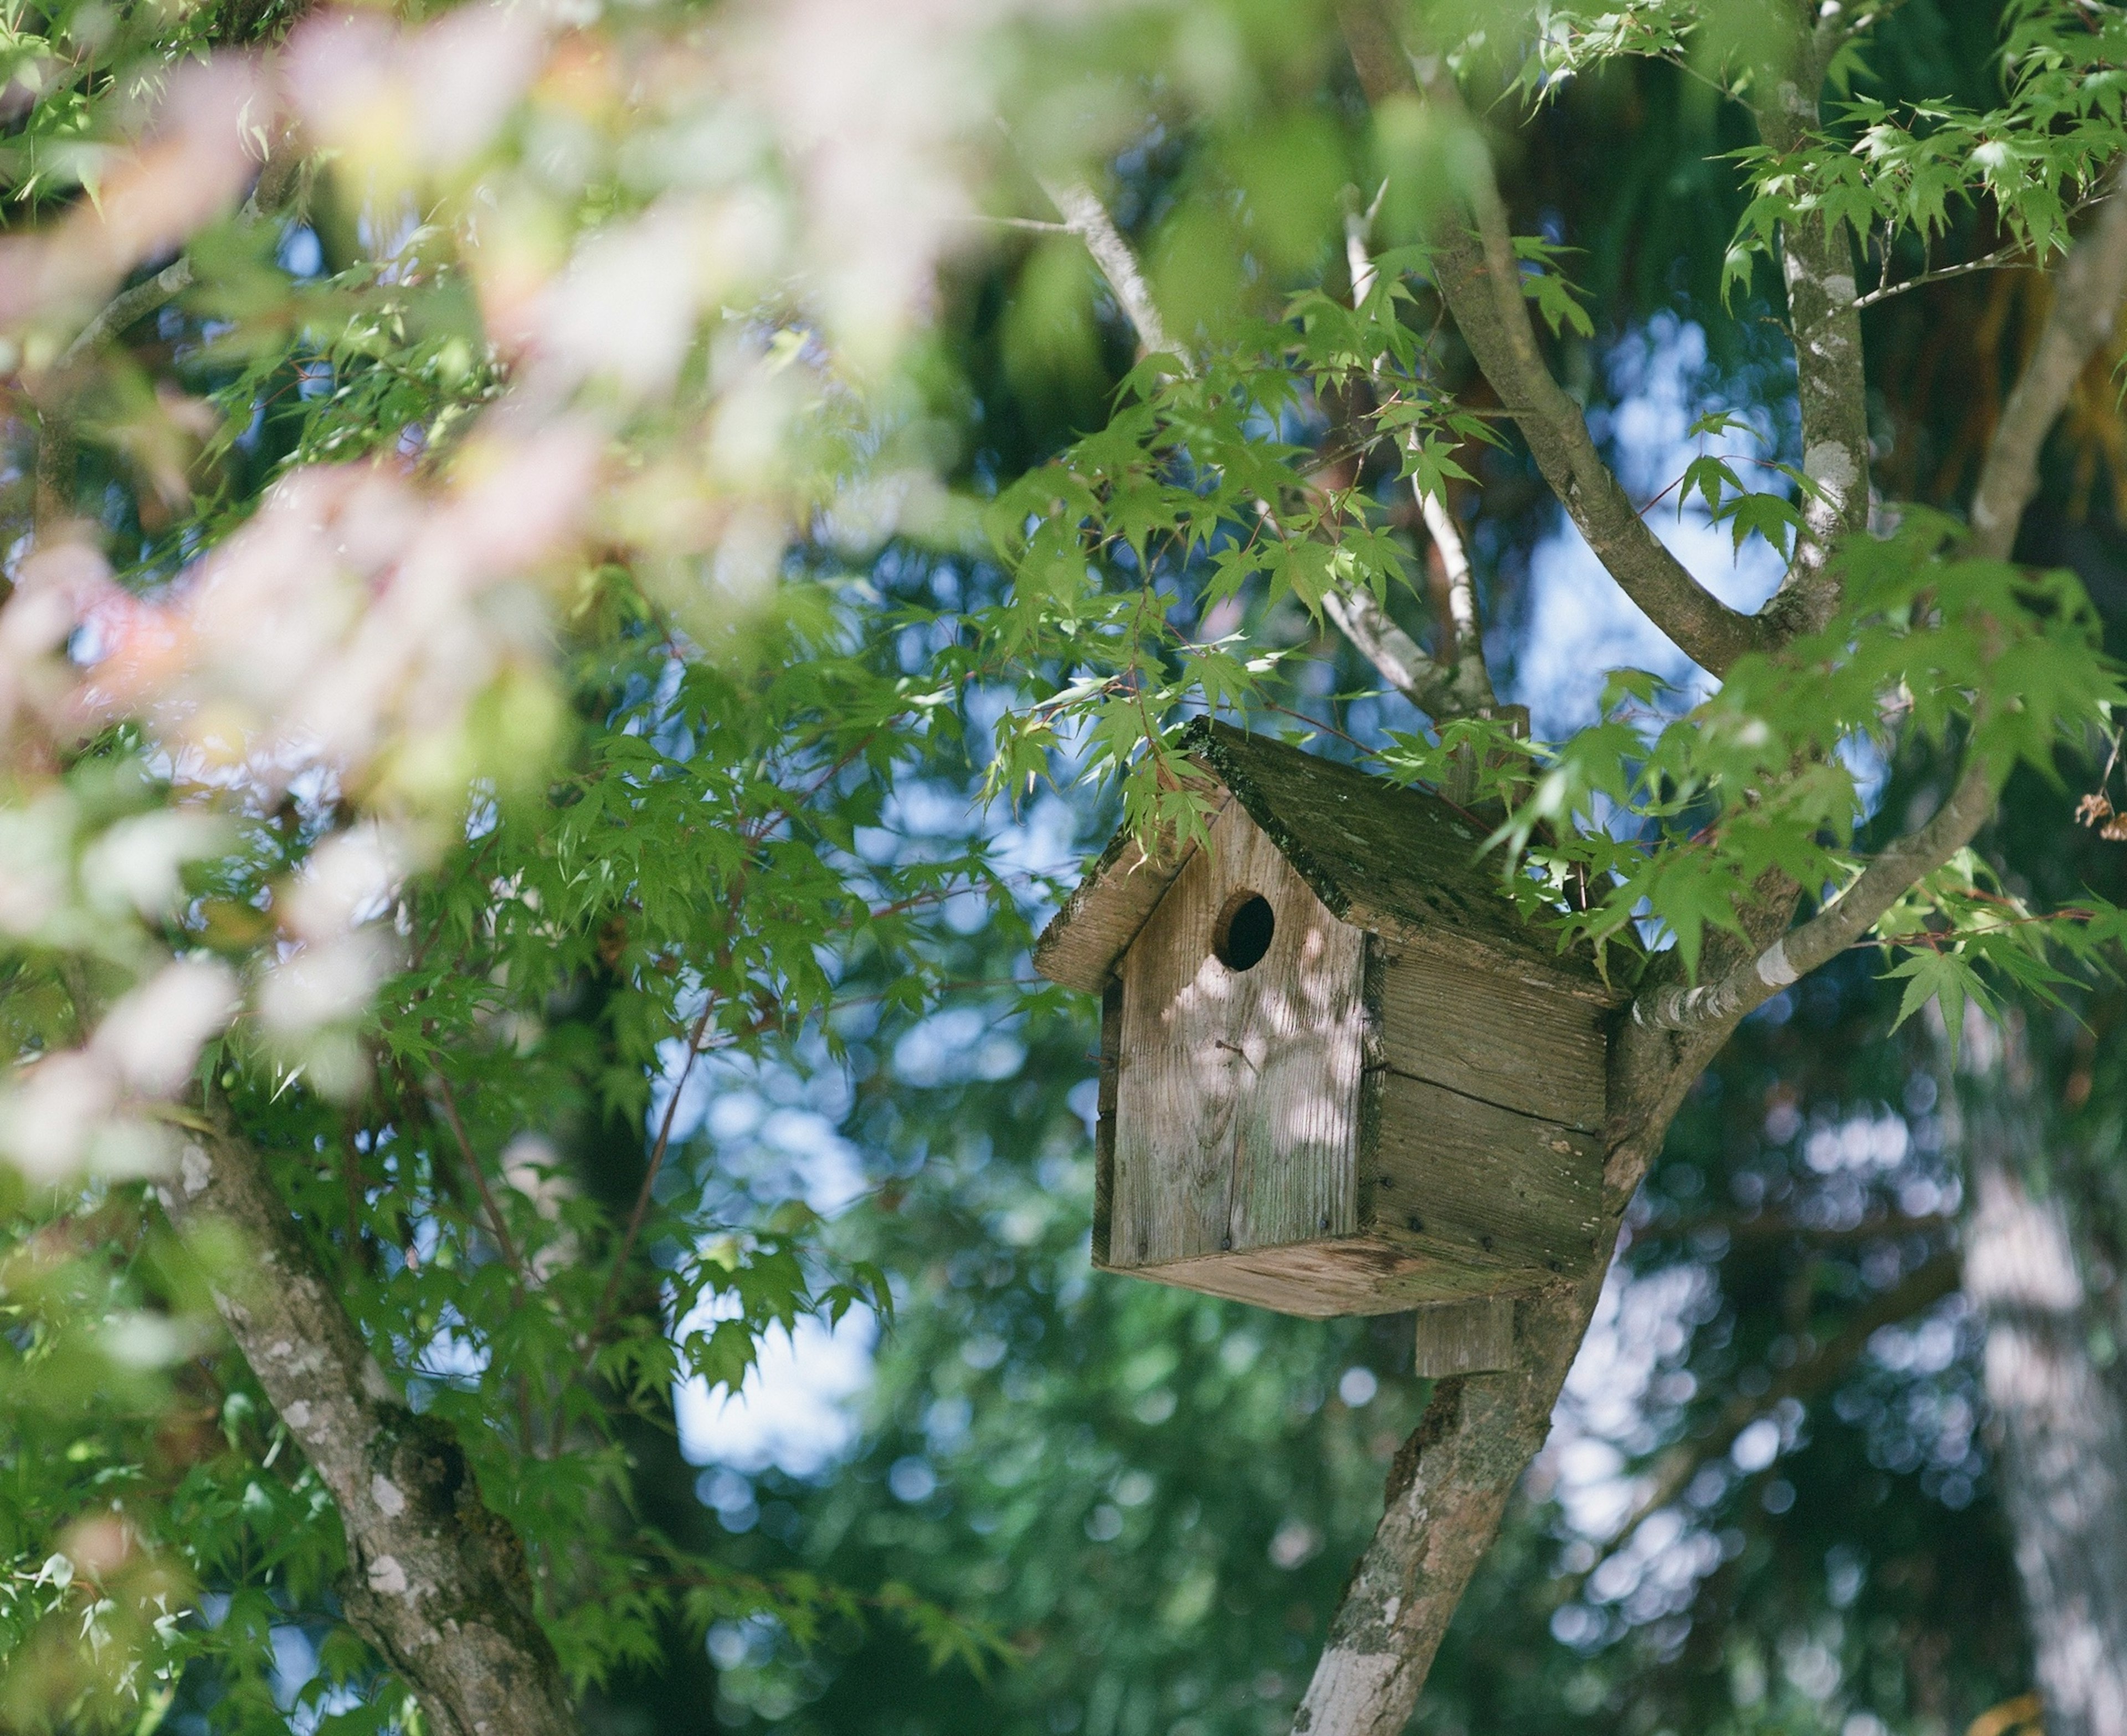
495,1226
1039,225
2019,255
650,1174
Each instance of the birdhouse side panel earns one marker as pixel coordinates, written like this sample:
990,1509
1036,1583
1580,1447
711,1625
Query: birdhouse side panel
1104,1128
1485,1187
1238,1084
1505,1035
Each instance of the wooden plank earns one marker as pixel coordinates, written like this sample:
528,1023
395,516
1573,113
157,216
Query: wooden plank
1460,1179
1237,1090
1492,1035
1104,1125
1084,940
1473,1337
1320,1280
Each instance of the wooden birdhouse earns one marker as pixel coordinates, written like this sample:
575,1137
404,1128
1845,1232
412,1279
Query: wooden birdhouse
1338,1076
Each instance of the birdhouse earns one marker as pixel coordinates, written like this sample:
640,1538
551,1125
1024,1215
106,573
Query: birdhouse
1338,1074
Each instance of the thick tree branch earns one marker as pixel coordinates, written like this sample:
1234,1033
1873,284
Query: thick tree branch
2087,292
1816,263
1447,1492
1480,279
436,1581
129,306
1846,920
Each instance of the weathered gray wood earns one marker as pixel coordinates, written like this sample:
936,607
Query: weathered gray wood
1084,940
1396,1110
1237,1091
1467,1180
1394,862
1327,1278
1506,1037
1472,1337
1104,1128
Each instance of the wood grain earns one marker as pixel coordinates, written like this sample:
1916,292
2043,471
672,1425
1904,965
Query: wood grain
1496,1035
1327,1279
1398,862
1085,941
1104,1128
1473,1337
1468,1180
1237,1099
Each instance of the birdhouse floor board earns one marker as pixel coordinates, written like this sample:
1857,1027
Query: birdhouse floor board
1491,1034
1320,1280
1488,1186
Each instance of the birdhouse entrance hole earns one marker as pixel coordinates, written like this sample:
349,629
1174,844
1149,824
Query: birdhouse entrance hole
1242,935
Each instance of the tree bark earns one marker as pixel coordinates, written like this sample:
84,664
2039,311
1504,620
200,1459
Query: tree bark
2062,1425
1448,1491
436,1581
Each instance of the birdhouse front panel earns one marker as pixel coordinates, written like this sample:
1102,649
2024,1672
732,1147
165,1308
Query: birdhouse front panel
1338,1076
1244,1030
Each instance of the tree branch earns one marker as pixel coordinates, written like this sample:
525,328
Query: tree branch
1480,279
129,306
1816,264
1942,274
1403,665
1467,690
2087,292
1358,614
1447,1492
2092,284
1087,218
1718,1005
436,1580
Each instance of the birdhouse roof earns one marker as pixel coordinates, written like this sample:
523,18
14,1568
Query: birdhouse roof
1395,861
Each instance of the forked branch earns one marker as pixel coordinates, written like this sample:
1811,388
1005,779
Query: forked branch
1357,612
1846,919
2092,284
1480,279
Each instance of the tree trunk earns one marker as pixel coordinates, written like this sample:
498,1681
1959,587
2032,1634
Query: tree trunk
2062,1426
1447,1492
436,1581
